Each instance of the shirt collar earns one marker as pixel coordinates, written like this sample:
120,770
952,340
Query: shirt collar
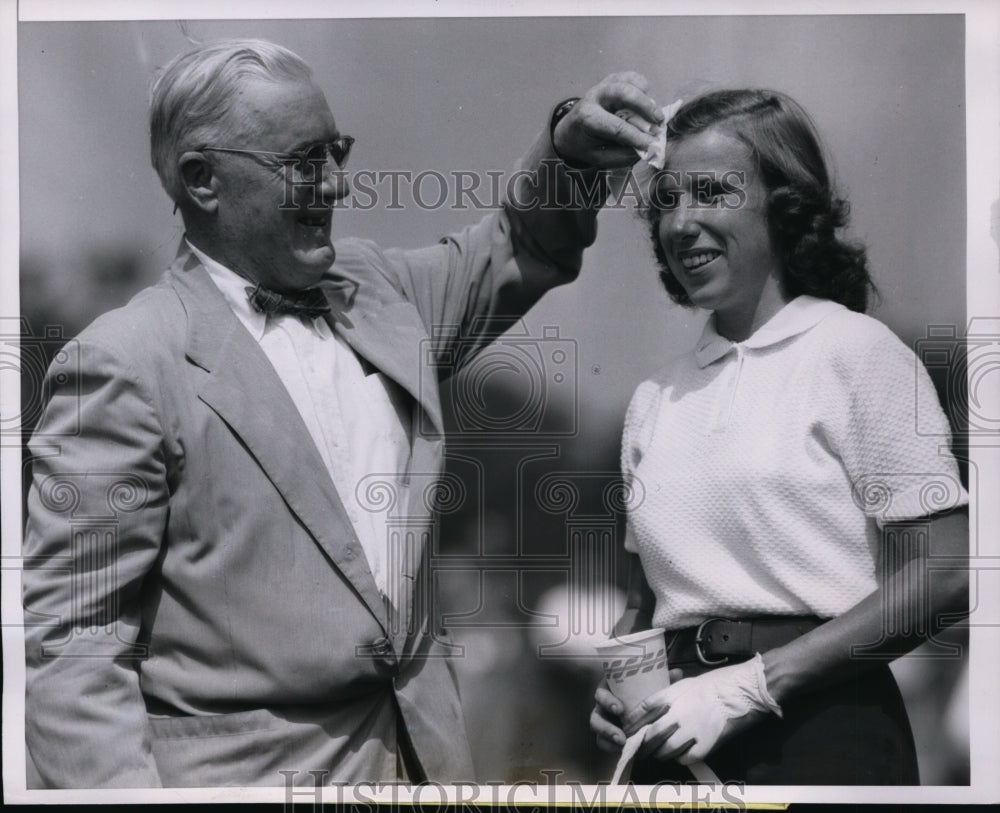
234,290
796,317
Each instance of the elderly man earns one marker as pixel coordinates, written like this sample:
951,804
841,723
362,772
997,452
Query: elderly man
207,600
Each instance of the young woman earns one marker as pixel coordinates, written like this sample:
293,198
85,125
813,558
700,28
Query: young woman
790,505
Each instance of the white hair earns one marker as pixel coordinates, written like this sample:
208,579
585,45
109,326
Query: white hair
192,97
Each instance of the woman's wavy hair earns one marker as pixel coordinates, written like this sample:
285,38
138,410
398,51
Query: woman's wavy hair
803,211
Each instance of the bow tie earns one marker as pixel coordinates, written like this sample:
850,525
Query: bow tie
310,302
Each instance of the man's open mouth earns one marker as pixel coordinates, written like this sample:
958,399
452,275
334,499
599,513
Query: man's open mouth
314,220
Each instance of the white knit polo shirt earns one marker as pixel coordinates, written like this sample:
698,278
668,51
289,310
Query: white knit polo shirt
767,466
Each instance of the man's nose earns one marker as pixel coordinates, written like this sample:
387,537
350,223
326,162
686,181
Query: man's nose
334,185
322,191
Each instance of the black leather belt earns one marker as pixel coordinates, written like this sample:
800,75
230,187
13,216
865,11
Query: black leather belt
718,641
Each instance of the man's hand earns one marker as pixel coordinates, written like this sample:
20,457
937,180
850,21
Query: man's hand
593,133
691,717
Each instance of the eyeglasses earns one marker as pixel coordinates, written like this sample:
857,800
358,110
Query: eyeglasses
308,163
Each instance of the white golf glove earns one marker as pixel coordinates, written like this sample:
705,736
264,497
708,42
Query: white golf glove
703,710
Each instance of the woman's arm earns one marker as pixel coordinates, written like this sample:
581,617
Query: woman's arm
693,716
929,590
639,601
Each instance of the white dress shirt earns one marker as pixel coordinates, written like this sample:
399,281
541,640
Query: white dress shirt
357,421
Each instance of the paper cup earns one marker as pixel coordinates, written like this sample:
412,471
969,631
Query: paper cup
635,665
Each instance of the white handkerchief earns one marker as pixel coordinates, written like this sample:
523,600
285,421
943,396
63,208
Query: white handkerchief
656,153
635,181
629,750
623,770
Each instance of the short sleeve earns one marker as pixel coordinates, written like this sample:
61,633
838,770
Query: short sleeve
897,448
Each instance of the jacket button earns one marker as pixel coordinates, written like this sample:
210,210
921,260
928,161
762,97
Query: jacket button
381,646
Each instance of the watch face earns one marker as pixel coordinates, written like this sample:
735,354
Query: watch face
564,108
559,113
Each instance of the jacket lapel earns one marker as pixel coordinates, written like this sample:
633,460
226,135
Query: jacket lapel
242,387
393,339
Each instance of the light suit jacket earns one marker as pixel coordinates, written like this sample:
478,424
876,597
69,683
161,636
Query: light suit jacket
198,608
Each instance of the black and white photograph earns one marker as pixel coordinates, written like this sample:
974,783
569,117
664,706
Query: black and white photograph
500,404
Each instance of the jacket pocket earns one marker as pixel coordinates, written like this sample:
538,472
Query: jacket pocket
212,725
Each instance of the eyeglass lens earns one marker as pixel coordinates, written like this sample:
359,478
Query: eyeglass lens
316,156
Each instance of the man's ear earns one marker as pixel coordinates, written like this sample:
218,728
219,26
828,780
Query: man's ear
199,182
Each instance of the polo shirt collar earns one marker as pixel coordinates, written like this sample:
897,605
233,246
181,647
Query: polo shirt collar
796,317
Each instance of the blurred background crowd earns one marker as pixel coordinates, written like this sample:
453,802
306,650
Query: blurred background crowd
527,556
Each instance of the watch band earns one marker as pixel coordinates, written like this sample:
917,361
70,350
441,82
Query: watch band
558,114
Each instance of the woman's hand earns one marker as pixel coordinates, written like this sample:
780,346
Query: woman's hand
690,718
606,718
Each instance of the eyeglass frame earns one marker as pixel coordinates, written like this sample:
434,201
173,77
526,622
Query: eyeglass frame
284,159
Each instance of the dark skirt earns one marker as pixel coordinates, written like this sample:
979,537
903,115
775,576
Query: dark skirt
853,733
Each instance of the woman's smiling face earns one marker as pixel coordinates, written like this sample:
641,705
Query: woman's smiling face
713,226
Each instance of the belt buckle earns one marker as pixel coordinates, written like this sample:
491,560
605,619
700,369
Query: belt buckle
698,640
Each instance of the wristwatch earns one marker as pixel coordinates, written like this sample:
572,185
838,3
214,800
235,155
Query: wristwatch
558,114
